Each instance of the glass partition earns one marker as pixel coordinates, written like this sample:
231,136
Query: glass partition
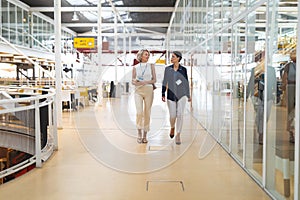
255,80
16,22
225,87
5,19
34,30
281,76
243,91
19,24
210,85
226,12
209,17
238,7
12,22
26,23
238,90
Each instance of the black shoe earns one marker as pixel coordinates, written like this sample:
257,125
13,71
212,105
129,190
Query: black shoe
260,139
172,132
292,137
144,140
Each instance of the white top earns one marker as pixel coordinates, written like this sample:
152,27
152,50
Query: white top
143,71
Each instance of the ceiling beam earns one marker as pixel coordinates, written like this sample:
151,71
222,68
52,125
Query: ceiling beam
104,9
192,25
151,9
121,35
147,31
119,24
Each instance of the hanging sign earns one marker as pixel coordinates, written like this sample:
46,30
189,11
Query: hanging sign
84,42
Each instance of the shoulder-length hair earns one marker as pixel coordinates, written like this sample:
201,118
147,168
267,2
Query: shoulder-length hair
140,54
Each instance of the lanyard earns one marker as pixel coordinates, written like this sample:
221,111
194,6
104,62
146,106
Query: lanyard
144,69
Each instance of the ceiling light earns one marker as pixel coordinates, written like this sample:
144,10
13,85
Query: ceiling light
75,17
93,30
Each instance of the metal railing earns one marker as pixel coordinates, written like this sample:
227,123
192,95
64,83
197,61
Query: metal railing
31,100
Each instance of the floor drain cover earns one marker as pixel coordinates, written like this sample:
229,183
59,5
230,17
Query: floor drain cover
160,148
165,185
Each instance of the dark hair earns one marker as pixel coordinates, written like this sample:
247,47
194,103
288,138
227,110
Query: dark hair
293,56
178,54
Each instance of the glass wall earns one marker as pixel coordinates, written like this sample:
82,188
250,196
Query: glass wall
243,67
5,19
16,20
238,76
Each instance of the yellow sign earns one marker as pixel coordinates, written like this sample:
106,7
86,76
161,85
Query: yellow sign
81,42
161,61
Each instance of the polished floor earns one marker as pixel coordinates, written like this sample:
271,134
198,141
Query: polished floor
98,158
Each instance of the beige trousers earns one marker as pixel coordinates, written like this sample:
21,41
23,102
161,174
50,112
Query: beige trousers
143,102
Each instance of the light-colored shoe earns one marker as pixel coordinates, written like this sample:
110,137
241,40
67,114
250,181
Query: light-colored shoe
139,138
177,139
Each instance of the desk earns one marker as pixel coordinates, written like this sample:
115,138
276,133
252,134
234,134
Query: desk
72,97
66,96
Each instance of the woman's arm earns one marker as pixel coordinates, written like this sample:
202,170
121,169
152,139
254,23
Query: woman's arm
133,80
187,85
164,84
153,73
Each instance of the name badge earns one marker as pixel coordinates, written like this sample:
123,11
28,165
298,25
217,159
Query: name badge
140,78
178,82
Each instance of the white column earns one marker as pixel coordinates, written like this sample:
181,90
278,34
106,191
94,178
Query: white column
99,43
58,84
116,47
168,40
124,60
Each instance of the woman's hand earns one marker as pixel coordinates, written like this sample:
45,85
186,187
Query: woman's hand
163,99
134,82
138,83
